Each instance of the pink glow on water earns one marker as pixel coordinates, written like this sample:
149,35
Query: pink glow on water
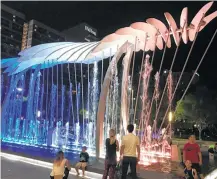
154,154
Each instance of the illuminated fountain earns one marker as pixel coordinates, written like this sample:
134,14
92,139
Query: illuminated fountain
77,129
72,111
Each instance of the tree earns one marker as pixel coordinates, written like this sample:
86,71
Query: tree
198,108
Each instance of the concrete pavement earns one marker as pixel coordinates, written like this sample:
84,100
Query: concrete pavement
15,169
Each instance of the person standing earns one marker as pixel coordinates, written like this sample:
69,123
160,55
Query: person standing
129,147
192,153
112,146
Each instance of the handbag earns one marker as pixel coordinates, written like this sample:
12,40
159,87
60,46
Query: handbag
118,172
118,165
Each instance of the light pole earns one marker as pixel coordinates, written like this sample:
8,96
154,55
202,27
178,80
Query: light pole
170,117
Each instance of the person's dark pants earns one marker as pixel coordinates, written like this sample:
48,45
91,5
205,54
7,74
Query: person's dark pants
109,170
197,167
132,161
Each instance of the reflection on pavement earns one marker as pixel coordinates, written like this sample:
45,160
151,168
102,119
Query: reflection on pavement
13,168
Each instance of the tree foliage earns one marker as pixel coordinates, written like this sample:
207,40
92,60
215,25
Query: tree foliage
197,108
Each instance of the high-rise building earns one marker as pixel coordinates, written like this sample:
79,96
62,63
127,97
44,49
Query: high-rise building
18,34
81,33
11,31
38,33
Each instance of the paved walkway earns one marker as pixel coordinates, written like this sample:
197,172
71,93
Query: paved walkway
15,169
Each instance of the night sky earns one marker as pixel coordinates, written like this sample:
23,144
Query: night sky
107,17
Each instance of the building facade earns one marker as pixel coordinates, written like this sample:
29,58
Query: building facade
11,31
38,33
18,34
81,33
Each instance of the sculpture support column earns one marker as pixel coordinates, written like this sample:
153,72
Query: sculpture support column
124,88
102,100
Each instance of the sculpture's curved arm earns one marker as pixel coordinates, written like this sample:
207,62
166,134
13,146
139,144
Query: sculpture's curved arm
124,88
103,96
89,52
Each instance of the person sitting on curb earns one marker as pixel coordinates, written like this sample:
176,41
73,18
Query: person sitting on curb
84,159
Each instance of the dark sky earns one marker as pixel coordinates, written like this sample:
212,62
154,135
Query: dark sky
107,17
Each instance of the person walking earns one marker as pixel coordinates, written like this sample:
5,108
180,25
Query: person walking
112,146
59,166
129,146
192,153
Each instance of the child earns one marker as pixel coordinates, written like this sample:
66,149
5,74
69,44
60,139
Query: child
84,158
190,173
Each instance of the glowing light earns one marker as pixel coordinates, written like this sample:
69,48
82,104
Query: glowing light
19,89
39,114
170,116
87,114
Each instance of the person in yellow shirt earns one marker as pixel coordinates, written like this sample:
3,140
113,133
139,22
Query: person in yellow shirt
130,151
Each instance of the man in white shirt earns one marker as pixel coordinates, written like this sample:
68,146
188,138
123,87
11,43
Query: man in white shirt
129,147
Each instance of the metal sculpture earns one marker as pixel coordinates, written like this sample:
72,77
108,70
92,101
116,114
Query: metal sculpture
145,36
153,28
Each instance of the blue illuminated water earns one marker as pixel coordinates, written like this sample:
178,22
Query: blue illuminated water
29,111
71,114
17,130
62,103
2,87
94,104
77,131
52,104
41,152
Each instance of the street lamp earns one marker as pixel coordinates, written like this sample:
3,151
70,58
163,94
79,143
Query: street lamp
170,120
170,116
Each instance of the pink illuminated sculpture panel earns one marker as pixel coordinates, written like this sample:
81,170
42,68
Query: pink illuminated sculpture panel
146,36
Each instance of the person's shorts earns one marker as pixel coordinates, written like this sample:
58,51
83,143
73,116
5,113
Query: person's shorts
197,167
81,165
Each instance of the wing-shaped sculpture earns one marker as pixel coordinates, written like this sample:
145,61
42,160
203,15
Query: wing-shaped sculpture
144,36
